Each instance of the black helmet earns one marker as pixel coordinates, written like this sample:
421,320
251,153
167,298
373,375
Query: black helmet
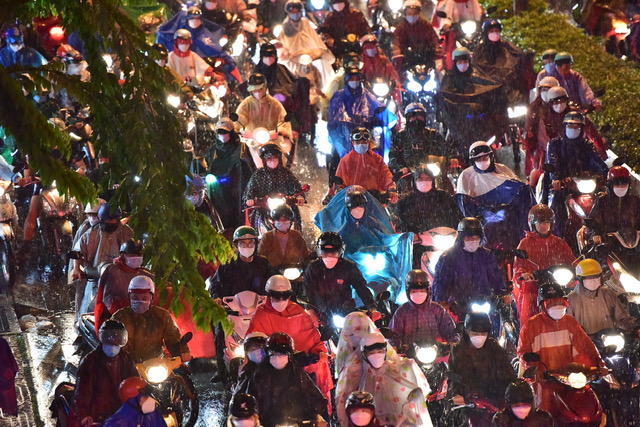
267,49
423,170
417,279
549,291
360,400
254,338
163,53
519,391
282,211
329,242
349,58
360,133
280,342
574,117
355,199
105,213
352,70
491,24
243,405
132,247
479,149
256,81
270,150
470,226
194,12
540,213
477,322
113,332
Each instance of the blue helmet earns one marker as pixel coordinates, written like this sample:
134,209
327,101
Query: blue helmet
197,182
105,213
13,35
413,108
491,24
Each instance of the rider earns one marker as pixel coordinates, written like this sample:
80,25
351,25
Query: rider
521,409
150,327
548,65
376,63
243,411
361,410
618,208
139,408
15,52
536,137
283,245
342,21
594,306
420,319
280,81
96,396
188,64
574,83
196,193
357,325
544,249
280,379
413,33
254,350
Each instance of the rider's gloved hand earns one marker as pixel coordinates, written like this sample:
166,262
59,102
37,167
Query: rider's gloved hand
251,202
87,421
300,200
556,185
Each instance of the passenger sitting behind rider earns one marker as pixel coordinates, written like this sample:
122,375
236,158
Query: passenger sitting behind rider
150,327
361,410
283,245
139,408
243,411
521,409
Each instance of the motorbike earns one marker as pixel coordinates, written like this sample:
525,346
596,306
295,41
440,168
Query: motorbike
476,411
506,328
514,137
435,242
385,17
258,137
8,224
421,86
579,205
430,357
257,215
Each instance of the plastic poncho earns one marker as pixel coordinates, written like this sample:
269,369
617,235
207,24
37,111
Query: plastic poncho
206,38
8,397
399,388
381,254
500,199
267,112
130,415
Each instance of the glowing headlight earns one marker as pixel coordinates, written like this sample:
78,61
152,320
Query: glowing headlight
617,340
442,243
137,178
317,4
414,86
210,179
434,168
380,89
563,276
239,351
275,202
469,27
221,91
577,380
375,264
209,110
238,45
1,191
630,283
191,126
586,186
426,355
223,41
395,5
517,111
173,100
277,30
157,374
338,321
431,85
261,135
108,60
620,27
481,308
291,273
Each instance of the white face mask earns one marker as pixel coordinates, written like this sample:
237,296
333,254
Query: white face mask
371,52
148,406
424,186
494,36
591,284
478,341
544,95
183,47
256,356
472,246
140,307
210,5
557,312
250,422
295,16
133,261
549,67
462,66
195,23
358,212
377,359
94,220
224,138
418,297
16,47
361,417
620,190
483,164
559,108
272,163
283,226
279,361
361,148
572,133
412,19
279,306
111,350
339,7
521,411
247,252
258,94
354,84
269,60
330,262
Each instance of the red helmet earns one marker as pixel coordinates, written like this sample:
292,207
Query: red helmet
619,175
132,387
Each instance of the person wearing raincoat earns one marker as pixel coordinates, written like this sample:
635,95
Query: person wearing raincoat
357,325
398,385
8,371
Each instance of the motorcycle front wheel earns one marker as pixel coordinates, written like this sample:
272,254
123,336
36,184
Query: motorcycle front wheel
7,266
185,401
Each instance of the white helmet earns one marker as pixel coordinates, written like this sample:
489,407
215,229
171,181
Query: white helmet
373,341
141,284
412,3
92,208
278,283
548,81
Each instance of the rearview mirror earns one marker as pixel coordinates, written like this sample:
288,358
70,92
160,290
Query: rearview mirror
441,14
520,253
233,116
531,357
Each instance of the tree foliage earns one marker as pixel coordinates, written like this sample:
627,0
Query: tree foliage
137,129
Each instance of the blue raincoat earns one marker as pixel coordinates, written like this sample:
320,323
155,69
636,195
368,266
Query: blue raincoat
381,254
129,415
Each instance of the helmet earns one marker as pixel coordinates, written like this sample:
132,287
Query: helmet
369,38
257,338
491,24
619,175
132,247
182,34
256,81
574,117
423,170
355,199
588,267
359,400
352,70
132,387
270,150
282,211
280,342
13,34
557,92
243,405
540,213
359,132
225,123
479,149
64,50
196,182
549,54
278,283
142,284
549,291
519,391
460,54
417,279
194,12
92,208
244,232
470,226
372,341
548,81
414,108
412,4
163,53
563,58
105,214
267,49
329,242
477,322
113,332
293,4
349,58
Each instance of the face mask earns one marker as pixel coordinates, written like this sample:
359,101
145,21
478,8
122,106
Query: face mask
330,262
591,284
279,361
494,36
195,200
279,306
16,47
372,52
268,60
361,148
283,226
148,406
418,297
224,138
620,190
549,67
557,312
256,356
272,163
358,212
210,5
478,341
544,95
183,47
140,307
195,23
483,164
521,411
111,350
339,7
361,417
246,252
295,16
133,261
245,423
377,360
93,220
258,94
559,108
107,227
412,19
572,133
354,84
462,66
424,186
472,246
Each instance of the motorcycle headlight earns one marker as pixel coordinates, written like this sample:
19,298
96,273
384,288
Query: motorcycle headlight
586,186
434,168
338,321
210,179
1,191
374,264
291,273
380,89
157,374
481,308
414,86
209,110
427,355
318,4
443,243
277,30
395,5
614,340
239,351
108,60
238,45
630,283
173,100
469,27
563,276
275,202
191,126
517,111
261,135
223,41
430,86
577,379
221,91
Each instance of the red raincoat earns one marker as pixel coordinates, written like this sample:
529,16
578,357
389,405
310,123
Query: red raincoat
368,170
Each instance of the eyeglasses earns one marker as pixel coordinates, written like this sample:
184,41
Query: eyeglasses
280,296
361,136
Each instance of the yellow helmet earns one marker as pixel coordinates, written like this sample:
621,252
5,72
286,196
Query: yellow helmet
588,267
